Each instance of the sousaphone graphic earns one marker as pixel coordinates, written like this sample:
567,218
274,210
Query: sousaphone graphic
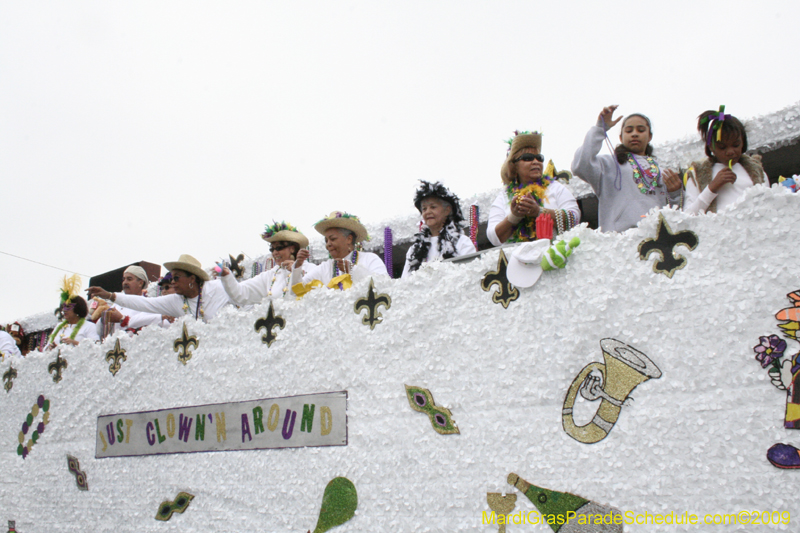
625,367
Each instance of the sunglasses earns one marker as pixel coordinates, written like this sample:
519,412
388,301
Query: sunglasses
278,247
530,157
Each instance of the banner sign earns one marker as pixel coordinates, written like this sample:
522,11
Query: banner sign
289,422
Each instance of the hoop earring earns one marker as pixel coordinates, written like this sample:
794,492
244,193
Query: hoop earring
191,285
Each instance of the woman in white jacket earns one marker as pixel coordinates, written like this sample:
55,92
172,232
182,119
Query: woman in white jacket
527,194
441,235
343,232
285,243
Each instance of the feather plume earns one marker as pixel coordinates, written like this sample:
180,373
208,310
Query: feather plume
70,287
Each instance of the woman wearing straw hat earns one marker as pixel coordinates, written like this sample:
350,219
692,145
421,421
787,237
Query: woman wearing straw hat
285,243
441,236
528,193
194,294
343,232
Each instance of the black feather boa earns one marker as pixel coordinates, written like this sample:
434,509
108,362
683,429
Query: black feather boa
448,238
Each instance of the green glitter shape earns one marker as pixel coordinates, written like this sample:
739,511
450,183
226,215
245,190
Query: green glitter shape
431,409
339,502
548,502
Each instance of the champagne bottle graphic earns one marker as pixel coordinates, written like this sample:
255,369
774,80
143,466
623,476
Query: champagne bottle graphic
568,513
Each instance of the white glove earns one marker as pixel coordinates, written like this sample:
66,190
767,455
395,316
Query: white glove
782,379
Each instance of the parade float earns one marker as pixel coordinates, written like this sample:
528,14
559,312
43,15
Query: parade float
648,377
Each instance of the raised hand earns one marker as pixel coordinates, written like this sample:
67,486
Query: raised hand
302,255
98,291
607,116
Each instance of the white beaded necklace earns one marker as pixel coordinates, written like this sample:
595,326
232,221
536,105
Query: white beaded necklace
275,276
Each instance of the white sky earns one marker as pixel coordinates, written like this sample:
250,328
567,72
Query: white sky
143,130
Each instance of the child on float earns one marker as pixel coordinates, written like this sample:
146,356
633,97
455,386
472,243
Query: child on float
631,182
720,180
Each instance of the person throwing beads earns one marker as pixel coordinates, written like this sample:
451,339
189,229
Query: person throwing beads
285,243
195,294
528,193
721,179
630,183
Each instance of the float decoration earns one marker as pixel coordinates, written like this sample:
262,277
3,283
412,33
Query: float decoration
371,303
568,513
74,467
182,345
268,323
114,357
57,367
339,503
791,315
441,418
182,501
42,404
663,244
9,376
506,292
502,504
784,456
612,382
784,373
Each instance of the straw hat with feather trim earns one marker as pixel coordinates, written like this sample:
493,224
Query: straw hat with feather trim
281,231
521,139
189,264
340,219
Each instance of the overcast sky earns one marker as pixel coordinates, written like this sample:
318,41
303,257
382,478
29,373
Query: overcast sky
143,130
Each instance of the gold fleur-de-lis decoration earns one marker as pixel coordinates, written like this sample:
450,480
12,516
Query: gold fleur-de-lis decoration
663,245
183,344
114,357
268,323
371,303
57,367
9,377
506,292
